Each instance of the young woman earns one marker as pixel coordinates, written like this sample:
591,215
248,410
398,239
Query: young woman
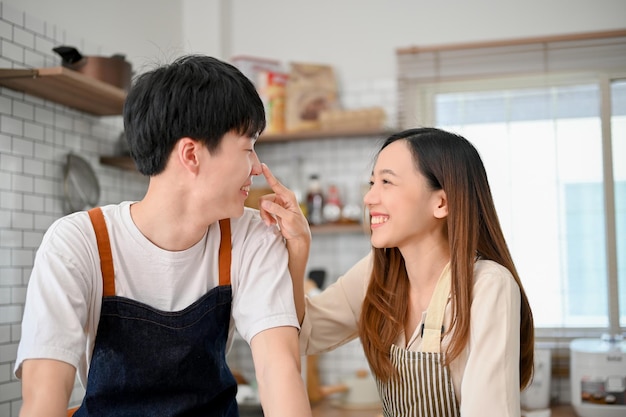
438,305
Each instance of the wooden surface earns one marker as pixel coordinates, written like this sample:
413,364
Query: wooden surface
334,228
513,42
326,408
122,162
563,411
323,134
67,87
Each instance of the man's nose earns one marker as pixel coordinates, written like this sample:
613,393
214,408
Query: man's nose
256,165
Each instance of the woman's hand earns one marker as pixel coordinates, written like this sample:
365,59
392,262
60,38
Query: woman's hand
282,207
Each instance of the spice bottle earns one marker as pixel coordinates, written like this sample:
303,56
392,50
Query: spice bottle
332,206
315,201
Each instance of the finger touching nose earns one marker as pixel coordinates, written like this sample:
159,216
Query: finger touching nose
269,177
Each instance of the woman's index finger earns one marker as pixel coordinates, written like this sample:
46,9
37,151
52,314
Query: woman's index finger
270,178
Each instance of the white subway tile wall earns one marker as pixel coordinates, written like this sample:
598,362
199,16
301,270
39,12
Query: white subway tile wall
36,135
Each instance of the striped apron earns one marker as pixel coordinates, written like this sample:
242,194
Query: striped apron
423,387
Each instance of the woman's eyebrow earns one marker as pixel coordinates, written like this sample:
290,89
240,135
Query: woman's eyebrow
386,171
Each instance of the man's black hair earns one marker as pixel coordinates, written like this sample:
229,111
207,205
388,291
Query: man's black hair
196,96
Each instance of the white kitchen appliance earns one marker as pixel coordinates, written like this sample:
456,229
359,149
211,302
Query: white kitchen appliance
537,395
598,376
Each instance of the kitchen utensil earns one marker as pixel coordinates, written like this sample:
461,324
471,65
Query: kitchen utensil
114,70
82,190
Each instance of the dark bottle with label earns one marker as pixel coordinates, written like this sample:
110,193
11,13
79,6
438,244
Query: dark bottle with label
315,201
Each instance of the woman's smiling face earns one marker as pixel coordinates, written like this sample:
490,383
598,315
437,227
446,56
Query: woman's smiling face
402,206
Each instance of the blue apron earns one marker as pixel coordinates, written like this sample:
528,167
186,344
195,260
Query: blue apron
148,362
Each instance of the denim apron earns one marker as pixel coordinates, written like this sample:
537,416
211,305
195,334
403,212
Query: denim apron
423,387
148,362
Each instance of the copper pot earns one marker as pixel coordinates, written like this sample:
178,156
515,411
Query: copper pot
114,70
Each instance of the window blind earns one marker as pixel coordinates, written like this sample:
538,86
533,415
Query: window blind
586,52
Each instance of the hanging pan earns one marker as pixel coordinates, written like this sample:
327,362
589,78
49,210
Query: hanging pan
82,190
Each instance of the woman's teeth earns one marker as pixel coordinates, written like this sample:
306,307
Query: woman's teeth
379,219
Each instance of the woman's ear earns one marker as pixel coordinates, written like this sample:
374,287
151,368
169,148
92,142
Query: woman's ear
441,208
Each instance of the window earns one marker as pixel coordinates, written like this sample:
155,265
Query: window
618,135
547,151
542,148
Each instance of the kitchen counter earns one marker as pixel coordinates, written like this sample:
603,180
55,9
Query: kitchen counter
327,409
563,411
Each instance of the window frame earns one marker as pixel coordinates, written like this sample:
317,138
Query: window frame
419,99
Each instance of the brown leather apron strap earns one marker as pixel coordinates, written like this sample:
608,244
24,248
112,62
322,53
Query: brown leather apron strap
225,252
104,249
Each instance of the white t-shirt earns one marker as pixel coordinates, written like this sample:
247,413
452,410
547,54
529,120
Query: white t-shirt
64,294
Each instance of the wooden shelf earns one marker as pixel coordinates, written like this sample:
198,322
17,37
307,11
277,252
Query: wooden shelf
65,86
336,228
123,162
323,134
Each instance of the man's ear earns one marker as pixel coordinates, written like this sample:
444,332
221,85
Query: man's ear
187,153
441,208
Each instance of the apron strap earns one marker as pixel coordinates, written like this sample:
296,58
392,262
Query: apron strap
225,252
106,257
104,250
433,324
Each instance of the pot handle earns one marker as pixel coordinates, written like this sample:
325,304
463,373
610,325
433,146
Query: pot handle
69,54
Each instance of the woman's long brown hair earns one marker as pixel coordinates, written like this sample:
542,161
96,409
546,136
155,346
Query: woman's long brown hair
451,163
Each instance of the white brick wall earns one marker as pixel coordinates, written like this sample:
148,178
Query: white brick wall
36,135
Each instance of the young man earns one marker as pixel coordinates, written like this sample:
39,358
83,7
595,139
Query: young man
142,298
